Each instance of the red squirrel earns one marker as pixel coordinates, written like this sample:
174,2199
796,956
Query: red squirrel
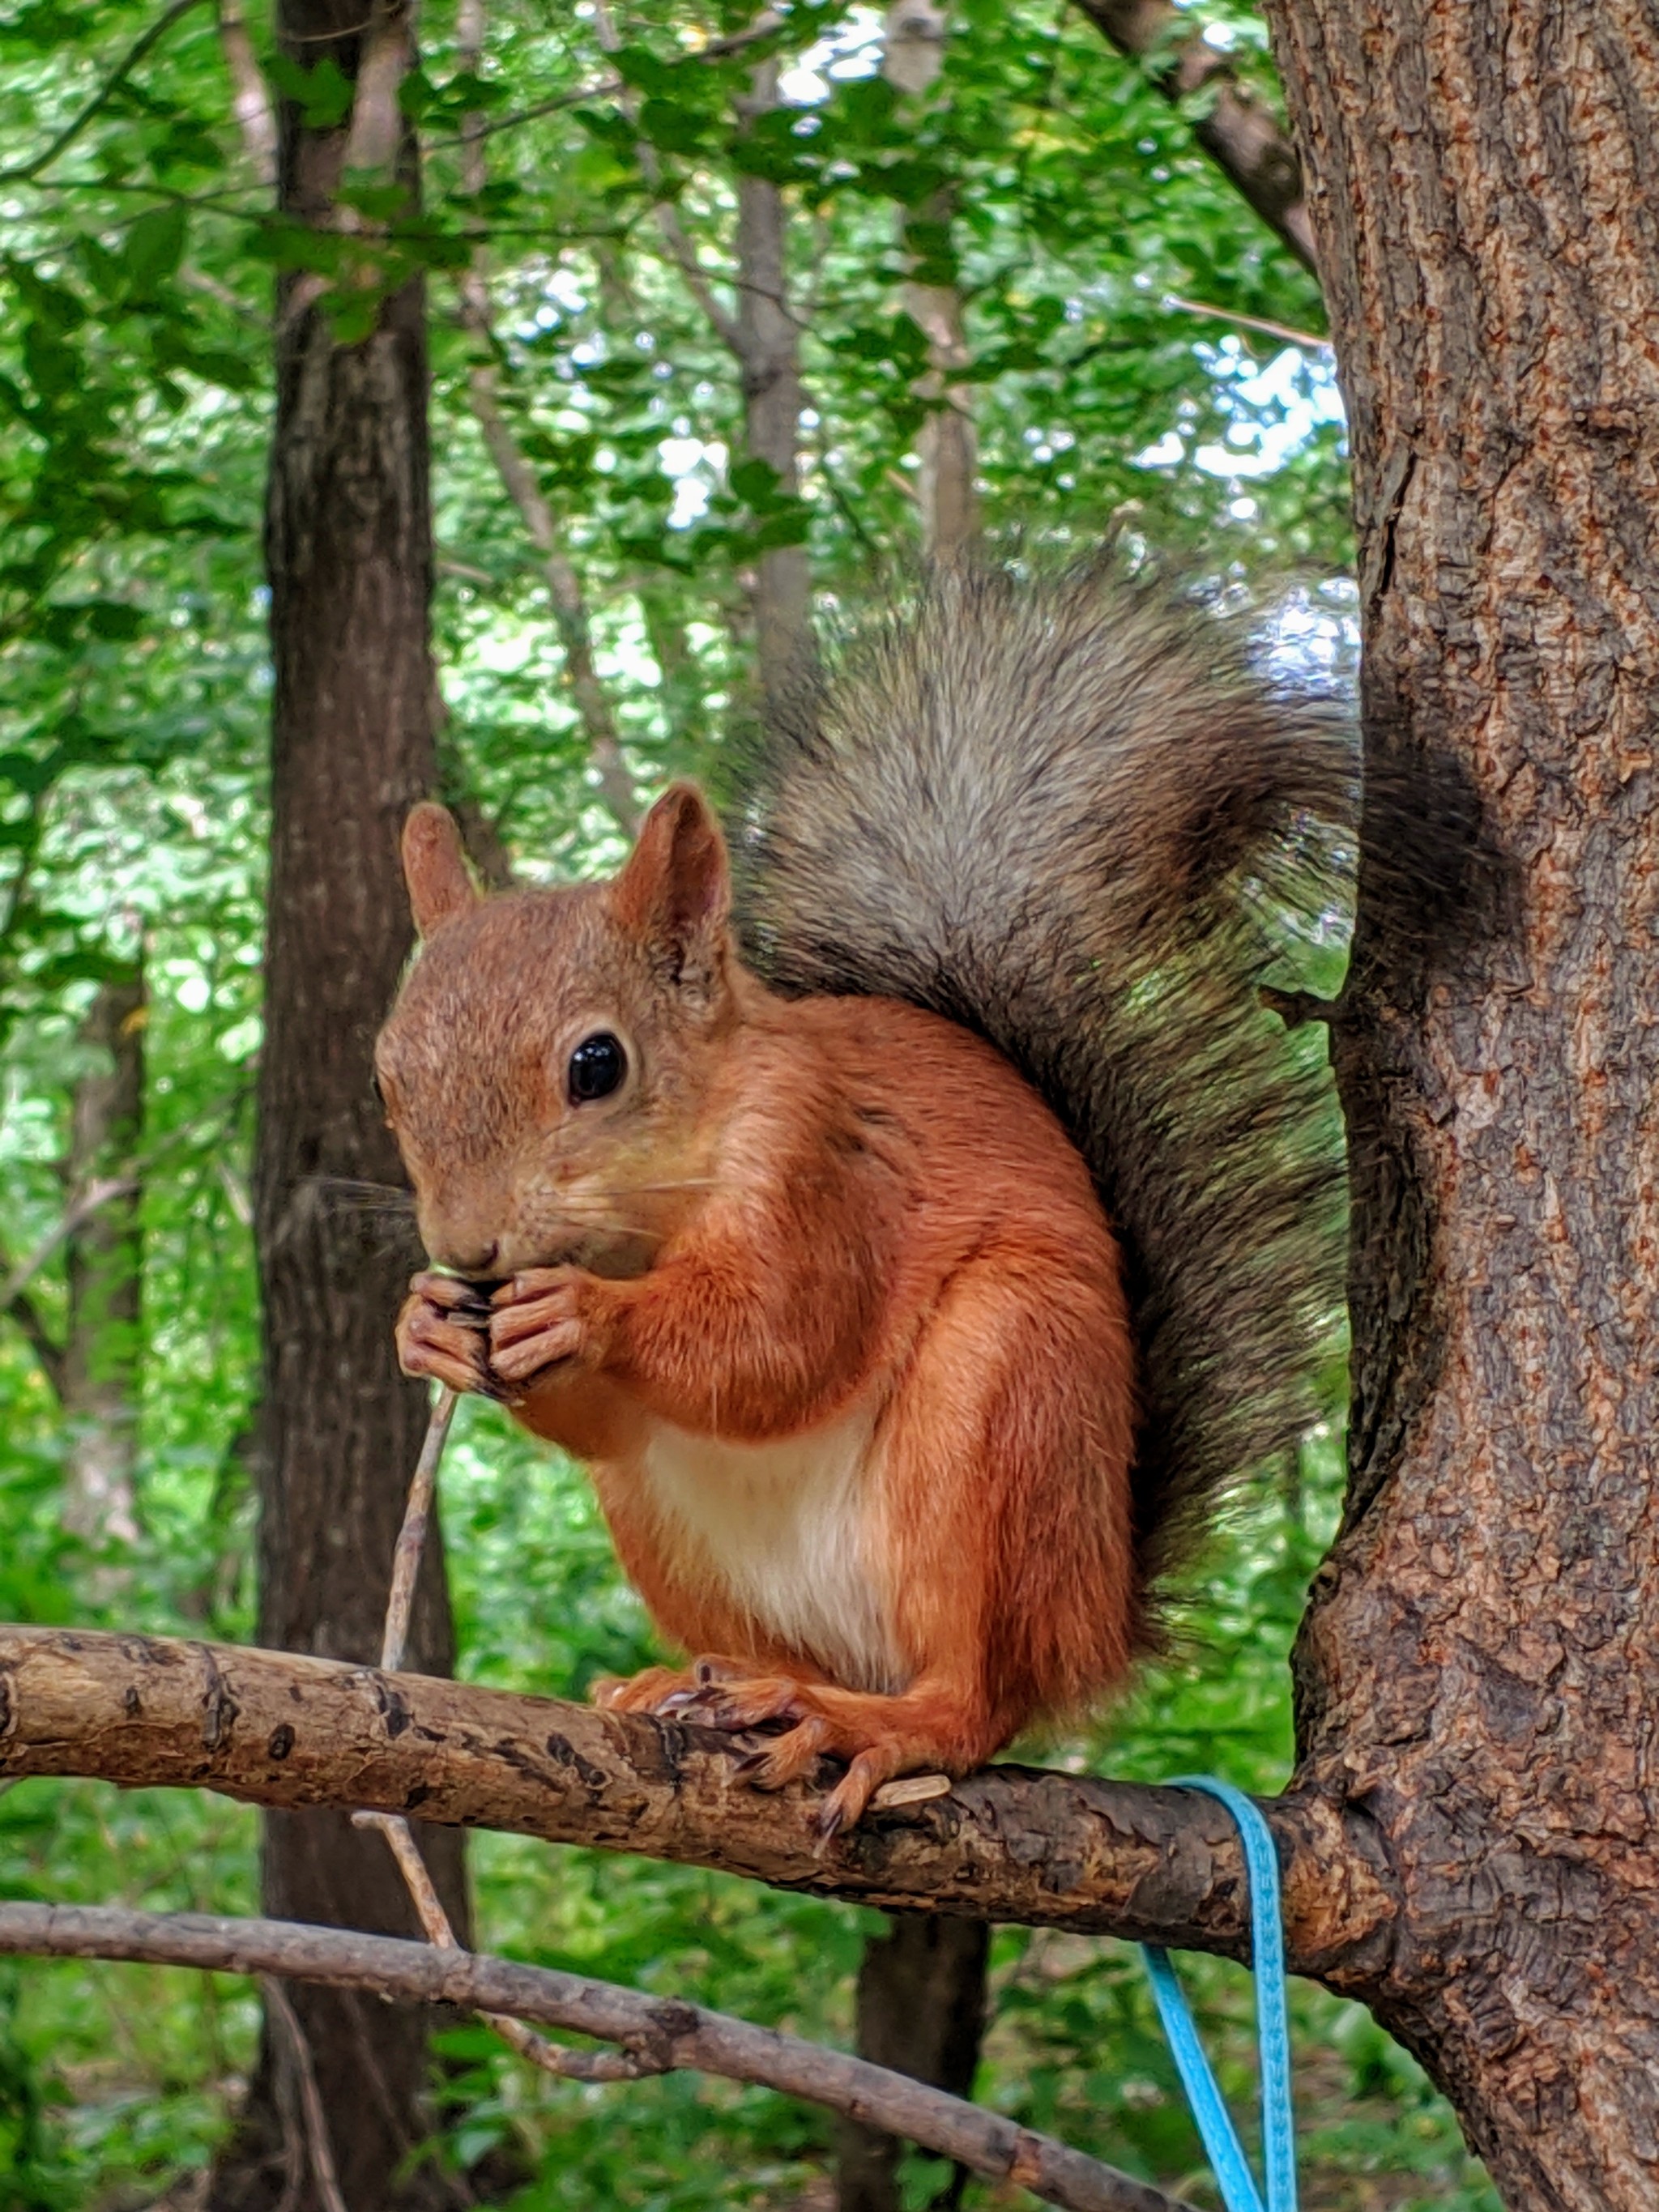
912,1238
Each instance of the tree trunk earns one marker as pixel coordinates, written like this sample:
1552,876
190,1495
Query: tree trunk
921,2011
947,445
97,1375
1478,1674
349,560
768,356
921,1986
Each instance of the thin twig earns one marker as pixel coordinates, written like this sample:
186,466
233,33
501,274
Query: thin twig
324,2172
411,1537
106,92
1288,331
556,2058
551,2058
519,479
608,87
250,96
669,2032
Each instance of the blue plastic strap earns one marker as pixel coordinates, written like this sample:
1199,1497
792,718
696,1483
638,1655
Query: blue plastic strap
1221,2143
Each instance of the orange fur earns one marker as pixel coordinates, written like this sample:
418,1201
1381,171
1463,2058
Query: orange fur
825,1296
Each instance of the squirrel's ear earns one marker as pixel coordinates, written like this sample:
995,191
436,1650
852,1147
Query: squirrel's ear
675,889
435,867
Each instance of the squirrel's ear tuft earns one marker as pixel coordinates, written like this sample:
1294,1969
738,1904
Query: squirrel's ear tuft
675,889
435,867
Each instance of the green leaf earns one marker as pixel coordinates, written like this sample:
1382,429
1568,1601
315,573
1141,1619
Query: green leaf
115,619
756,482
676,126
155,246
323,94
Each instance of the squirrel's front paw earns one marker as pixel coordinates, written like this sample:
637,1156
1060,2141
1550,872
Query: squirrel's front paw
540,1317
442,1331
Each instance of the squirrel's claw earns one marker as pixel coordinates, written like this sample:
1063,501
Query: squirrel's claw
724,1694
454,1294
846,1803
534,1322
434,1342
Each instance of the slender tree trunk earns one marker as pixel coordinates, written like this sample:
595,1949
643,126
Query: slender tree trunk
768,356
1479,1671
249,98
921,2011
947,446
921,1986
519,480
349,560
99,1371
679,677
763,339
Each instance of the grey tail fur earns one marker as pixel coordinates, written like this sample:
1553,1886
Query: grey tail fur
1066,814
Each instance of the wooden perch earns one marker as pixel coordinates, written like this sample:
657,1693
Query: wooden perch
1009,1843
663,2033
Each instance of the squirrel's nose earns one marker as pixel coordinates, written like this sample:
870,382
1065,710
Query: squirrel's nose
468,1259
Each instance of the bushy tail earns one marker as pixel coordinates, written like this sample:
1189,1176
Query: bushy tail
1066,814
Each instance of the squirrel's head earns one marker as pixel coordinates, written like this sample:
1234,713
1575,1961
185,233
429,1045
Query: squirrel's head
547,1066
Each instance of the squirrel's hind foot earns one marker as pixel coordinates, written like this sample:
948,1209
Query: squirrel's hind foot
926,1728
879,1737
672,1692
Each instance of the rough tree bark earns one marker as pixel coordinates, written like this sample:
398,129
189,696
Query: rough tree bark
1011,1842
1478,1673
348,557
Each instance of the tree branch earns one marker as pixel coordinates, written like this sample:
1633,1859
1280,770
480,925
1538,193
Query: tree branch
118,77
250,96
518,481
21,1307
104,1192
668,2033
1238,134
726,326
320,2150
1009,1843
375,135
608,87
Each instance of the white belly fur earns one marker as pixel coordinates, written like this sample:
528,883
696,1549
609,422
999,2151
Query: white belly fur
785,1527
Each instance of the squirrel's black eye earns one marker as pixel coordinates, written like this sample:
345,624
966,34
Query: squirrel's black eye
380,1089
596,1067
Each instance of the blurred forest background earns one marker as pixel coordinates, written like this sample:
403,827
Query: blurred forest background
1026,238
